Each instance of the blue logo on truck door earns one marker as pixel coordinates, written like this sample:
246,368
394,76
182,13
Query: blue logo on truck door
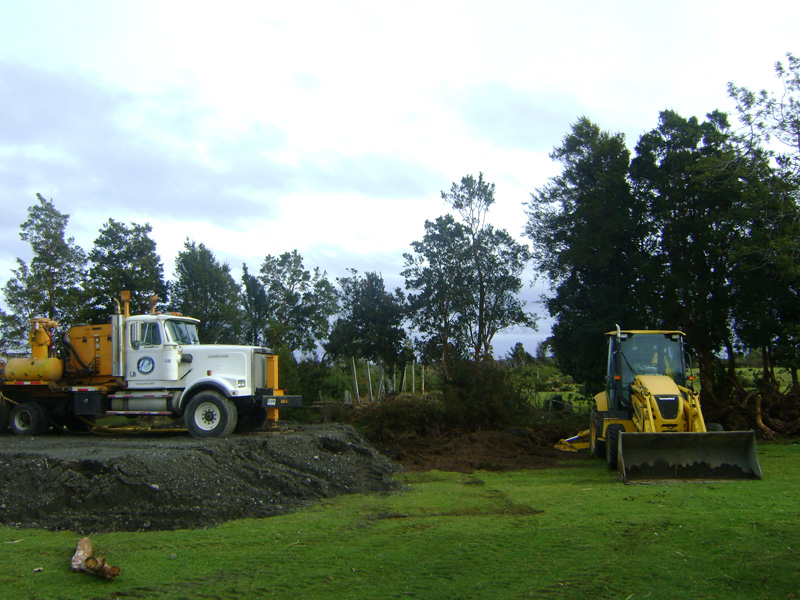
146,365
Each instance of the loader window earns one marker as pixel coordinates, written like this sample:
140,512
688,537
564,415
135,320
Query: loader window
654,355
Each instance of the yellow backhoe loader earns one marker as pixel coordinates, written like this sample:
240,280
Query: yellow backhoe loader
648,423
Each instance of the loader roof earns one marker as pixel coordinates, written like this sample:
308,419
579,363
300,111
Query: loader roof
652,331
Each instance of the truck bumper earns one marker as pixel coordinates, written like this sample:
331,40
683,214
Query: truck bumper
266,398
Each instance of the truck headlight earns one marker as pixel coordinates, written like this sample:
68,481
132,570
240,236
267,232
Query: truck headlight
241,383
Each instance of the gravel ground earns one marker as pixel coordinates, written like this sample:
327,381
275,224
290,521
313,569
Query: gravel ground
94,484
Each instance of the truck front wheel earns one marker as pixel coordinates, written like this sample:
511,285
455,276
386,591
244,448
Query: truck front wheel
210,414
28,418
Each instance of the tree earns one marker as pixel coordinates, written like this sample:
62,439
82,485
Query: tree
767,283
590,239
123,258
299,303
437,274
204,289
767,116
495,264
370,324
466,275
698,198
51,285
255,315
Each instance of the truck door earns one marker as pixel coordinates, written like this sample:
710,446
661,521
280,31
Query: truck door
145,354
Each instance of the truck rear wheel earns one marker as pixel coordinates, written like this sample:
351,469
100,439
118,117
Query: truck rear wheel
4,411
28,418
210,414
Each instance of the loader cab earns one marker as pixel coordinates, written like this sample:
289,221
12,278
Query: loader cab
633,353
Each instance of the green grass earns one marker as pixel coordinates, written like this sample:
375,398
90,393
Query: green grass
570,532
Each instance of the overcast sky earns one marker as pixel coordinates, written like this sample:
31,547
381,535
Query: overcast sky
332,127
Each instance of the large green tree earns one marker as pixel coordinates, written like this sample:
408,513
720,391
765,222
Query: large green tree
464,278
590,239
770,116
494,267
437,281
688,173
204,288
767,285
370,324
299,303
124,257
51,284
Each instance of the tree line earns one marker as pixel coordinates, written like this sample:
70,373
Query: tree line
697,229
462,281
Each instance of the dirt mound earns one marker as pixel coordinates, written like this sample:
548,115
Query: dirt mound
90,484
510,450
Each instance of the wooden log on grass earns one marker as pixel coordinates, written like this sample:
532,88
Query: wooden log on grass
83,561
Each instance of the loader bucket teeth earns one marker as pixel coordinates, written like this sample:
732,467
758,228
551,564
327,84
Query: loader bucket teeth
725,455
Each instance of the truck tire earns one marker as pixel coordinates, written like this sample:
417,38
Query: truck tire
612,444
250,419
28,418
209,414
4,412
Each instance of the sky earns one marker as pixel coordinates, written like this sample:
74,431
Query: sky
331,128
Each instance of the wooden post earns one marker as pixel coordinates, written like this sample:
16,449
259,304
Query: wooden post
355,379
369,382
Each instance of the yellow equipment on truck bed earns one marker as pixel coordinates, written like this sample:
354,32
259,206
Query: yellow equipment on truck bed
648,422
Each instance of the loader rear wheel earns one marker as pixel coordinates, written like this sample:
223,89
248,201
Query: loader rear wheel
612,444
28,418
210,414
597,446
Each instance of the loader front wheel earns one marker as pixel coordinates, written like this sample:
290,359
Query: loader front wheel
28,418
612,444
209,414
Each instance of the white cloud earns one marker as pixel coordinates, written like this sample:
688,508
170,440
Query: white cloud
331,128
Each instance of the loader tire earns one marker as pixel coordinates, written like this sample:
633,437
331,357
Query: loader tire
597,446
612,444
210,414
28,418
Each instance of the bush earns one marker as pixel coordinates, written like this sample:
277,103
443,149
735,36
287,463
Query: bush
481,396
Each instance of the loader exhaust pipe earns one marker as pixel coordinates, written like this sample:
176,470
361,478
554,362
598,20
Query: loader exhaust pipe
722,455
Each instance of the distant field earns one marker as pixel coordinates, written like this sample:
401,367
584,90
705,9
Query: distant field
569,532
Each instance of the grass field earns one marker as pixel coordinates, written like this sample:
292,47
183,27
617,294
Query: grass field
568,532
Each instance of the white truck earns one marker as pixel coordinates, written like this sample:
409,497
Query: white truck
152,364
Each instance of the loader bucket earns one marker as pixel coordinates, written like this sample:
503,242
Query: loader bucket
721,455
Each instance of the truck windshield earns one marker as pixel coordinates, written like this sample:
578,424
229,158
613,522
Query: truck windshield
183,333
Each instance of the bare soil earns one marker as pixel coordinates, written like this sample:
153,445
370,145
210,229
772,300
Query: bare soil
93,484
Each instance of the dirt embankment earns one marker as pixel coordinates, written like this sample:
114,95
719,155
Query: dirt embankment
91,484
